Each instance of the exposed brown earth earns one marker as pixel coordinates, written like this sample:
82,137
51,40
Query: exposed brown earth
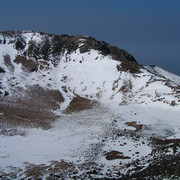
32,109
27,64
79,104
115,155
133,124
165,141
7,62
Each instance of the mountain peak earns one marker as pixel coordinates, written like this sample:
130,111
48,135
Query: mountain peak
49,46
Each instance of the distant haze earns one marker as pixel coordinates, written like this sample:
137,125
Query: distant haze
149,30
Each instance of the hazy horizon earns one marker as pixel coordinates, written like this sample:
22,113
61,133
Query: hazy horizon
149,30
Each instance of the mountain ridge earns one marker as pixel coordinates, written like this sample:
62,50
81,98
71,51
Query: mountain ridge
163,73
68,42
36,52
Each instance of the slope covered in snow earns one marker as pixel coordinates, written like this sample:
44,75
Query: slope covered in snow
163,73
74,107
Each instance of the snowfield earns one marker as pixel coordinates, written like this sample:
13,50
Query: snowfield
87,136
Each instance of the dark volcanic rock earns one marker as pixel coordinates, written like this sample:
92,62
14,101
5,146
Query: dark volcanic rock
2,70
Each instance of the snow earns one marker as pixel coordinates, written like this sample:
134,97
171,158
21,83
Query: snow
90,73
68,139
38,147
161,121
72,136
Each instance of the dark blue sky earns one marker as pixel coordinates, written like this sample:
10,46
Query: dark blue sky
147,29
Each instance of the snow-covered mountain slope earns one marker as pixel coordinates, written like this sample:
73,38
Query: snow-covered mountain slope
74,107
78,66
163,73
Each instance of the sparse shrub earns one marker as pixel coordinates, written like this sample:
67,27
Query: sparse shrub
44,50
33,50
6,93
20,44
57,44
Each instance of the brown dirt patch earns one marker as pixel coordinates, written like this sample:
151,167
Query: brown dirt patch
34,108
27,64
7,62
37,97
22,117
112,155
133,124
165,141
79,104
